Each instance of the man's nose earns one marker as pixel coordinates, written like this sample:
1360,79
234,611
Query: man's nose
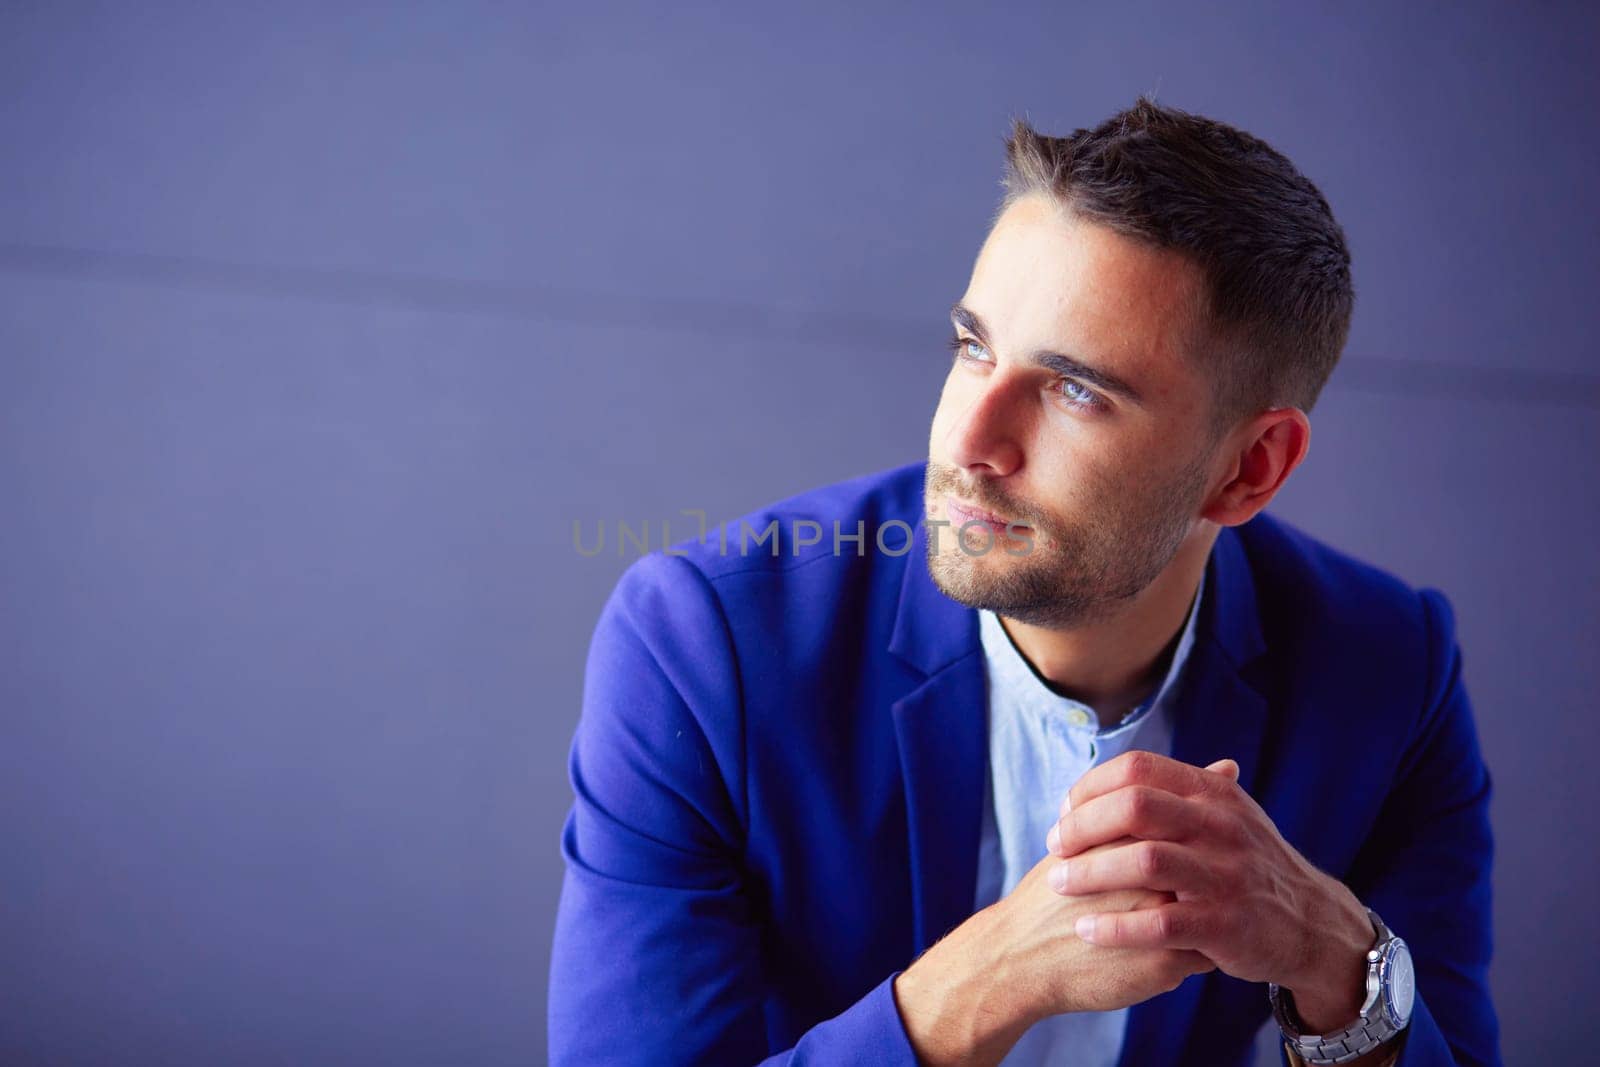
985,434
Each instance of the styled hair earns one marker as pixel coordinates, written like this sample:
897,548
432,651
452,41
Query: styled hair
1278,294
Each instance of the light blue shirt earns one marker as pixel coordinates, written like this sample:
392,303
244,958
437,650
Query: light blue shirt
1040,744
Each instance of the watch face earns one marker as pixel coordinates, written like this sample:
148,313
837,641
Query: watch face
1400,983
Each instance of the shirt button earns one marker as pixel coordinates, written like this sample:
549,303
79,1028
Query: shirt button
1077,716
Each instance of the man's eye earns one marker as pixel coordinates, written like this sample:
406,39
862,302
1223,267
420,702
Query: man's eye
1078,393
968,349
1074,392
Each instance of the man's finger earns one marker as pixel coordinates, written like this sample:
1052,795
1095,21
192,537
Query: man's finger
1226,767
1178,925
1137,811
1139,767
1158,865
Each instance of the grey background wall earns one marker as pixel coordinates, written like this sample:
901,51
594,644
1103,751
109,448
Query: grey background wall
320,324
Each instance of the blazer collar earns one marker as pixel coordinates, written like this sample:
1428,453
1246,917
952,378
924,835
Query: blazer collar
941,729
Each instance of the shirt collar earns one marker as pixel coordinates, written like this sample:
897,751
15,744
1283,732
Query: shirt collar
1011,671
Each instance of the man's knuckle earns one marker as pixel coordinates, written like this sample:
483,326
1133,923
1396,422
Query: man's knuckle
1139,765
1182,924
1138,805
1214,826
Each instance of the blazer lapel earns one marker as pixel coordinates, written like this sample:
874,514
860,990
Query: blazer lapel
941,729
1219,714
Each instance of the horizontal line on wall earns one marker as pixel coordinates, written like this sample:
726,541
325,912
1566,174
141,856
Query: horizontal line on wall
1364,373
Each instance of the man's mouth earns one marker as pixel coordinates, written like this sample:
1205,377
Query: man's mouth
961,514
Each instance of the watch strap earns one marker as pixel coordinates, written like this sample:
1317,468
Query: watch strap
1367,1033
1353,1042
1296,1061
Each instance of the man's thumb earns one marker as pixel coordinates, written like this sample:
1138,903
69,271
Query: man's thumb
1225,766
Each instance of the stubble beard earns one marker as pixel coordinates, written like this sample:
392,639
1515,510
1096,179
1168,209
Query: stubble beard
1076,573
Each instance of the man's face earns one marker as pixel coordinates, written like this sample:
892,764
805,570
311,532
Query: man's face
1104,455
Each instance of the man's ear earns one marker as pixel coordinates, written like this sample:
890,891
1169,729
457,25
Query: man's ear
1262,454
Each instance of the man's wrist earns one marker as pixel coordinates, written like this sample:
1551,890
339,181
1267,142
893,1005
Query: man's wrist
1332,985
957,1001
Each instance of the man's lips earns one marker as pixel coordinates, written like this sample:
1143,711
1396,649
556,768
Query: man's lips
961,514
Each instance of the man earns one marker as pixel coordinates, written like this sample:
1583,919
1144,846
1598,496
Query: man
1056,748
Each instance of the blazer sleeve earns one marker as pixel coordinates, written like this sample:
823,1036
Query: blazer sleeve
1426,867
657,954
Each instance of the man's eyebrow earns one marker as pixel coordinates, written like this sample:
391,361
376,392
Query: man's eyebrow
1065,365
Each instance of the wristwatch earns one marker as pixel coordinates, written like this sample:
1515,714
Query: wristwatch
1391,991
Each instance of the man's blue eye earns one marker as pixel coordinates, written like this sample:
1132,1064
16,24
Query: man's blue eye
1074,392
963,348
1083,394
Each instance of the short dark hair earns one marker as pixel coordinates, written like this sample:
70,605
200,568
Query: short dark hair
1277,270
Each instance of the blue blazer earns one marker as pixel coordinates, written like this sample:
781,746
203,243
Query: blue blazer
779,764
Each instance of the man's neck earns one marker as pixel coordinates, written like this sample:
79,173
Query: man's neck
1116,662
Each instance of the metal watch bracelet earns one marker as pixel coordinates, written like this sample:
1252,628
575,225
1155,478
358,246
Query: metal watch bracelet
1371,1028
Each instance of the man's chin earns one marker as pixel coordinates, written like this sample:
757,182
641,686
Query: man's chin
1009,587
976,581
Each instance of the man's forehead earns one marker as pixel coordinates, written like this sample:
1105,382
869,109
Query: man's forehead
1046,278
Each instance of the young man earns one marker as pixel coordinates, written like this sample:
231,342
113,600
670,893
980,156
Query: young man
1055,748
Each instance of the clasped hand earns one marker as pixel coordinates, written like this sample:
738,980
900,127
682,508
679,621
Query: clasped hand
1236,892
